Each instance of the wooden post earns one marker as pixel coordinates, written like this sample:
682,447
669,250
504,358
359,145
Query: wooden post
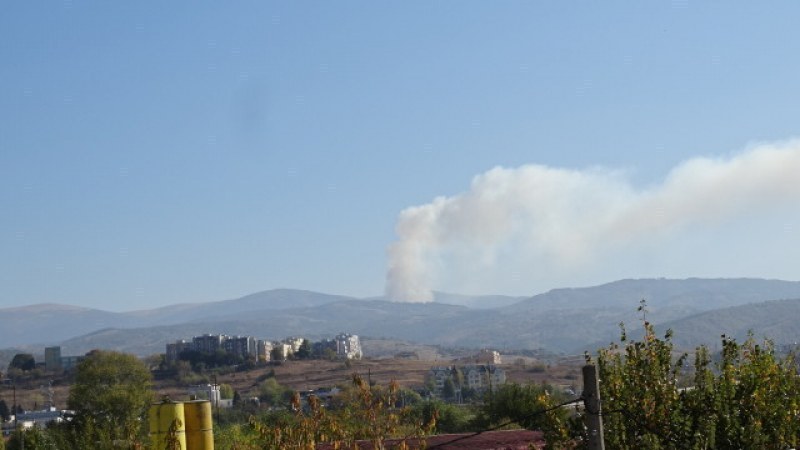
591,404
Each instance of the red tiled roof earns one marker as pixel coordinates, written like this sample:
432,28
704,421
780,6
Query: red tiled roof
490,440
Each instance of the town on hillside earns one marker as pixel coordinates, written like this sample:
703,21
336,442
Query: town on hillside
202,367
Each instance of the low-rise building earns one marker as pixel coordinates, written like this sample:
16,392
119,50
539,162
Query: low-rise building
211,393
439,376
477,377
481,377
42,417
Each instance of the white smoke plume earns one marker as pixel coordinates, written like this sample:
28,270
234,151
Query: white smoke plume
561,220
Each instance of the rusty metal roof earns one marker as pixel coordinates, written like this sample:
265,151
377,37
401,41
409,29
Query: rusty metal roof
490,440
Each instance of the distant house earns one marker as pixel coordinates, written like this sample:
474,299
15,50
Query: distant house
211,393
439,375
482,377
478,377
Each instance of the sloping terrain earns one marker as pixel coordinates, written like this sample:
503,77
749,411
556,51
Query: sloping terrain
698,294
562,320
52,323
47,324
775,320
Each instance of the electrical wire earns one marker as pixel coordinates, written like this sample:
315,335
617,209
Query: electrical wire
639,422
505,424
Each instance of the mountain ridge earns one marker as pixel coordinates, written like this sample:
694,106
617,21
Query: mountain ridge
563,320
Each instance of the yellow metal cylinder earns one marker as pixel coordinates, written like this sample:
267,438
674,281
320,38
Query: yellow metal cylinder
167,426
199,425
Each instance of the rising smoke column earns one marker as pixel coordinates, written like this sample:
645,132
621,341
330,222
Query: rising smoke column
566,218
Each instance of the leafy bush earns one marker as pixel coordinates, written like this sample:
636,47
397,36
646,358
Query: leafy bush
364,413
448,418
749,399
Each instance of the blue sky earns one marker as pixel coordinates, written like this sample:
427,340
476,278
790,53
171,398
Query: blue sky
155,153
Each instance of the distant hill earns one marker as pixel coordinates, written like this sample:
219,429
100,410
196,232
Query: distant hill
470,301
365,317
274,299
776,320
47,324
53,323
562,320
476,301
698,294
50,323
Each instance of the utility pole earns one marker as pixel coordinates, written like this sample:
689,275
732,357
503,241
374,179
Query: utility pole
19,432
217,398
591,403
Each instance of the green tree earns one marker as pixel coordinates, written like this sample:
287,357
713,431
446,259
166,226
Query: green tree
361,412
237,398
112,391
276,354
23,362
458,377
31,439
520,403
449,389
446,417
273,393
304,352
750,399
407,397
225,391
5,413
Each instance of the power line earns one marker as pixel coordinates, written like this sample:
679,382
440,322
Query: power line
505,424
642,424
